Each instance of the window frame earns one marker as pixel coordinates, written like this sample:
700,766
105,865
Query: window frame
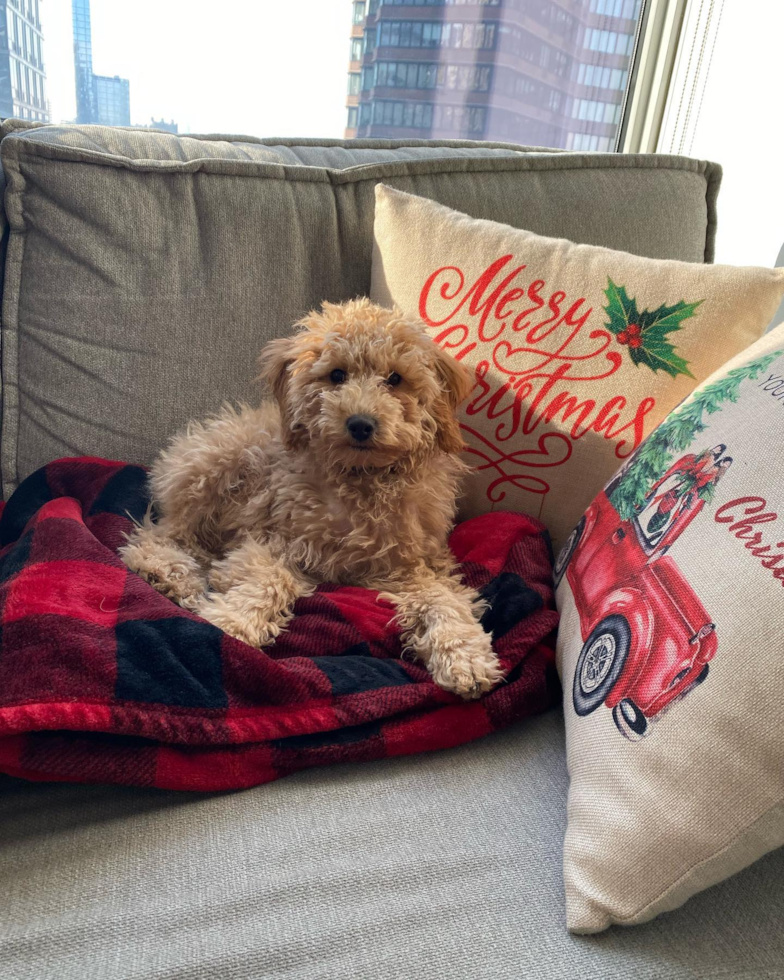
656,42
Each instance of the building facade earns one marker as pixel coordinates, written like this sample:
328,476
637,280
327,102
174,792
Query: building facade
86,111
22,76
163,126
538,72
100,99
112,100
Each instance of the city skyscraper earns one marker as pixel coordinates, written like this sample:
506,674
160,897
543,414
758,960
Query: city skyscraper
83,61
541,72
22,77
99,98
112,100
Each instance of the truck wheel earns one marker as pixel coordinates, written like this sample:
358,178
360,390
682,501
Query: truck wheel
600,663
565,554
629,720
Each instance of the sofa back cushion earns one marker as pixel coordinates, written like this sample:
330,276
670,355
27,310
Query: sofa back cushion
145,271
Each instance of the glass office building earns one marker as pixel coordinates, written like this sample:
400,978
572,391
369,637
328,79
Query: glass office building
112,100
83,62
22,77
540,72
99,98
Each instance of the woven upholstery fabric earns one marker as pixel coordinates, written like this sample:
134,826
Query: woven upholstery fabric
145,271
102,679
437,867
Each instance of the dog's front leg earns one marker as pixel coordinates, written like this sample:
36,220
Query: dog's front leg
440,620
254,594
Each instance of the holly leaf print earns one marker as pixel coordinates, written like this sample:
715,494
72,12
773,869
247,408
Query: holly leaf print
621,310
646,333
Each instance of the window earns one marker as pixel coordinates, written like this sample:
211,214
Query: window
627,9
427,34
537,71
431,35
721,107
599,112
419,115
416,75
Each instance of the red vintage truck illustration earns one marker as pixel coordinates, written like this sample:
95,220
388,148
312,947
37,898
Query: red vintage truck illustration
647,638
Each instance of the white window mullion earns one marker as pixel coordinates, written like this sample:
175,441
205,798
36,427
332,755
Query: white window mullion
657,39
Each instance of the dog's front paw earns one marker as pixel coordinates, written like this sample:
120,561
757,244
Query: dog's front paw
246,624
465,665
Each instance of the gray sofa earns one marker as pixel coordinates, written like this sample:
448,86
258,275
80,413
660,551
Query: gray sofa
143,273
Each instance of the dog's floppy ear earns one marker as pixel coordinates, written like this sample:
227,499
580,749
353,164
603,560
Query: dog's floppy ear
455,382
275,363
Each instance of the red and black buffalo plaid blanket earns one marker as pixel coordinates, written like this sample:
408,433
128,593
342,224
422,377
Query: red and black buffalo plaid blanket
102,679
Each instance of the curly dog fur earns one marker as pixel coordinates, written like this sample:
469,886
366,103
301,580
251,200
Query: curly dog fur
259,505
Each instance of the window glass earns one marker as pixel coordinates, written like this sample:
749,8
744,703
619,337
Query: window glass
545,72
732,116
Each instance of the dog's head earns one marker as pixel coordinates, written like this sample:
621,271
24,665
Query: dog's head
363,386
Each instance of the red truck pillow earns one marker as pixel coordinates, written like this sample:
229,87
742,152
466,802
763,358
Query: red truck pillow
671,593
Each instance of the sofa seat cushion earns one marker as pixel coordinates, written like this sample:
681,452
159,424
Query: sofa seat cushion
438,866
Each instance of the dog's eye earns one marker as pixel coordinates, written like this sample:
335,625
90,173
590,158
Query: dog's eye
337,377
394,379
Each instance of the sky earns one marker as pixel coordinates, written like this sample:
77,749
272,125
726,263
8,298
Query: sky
261,67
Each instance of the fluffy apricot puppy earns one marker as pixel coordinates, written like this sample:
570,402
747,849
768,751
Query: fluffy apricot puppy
349,476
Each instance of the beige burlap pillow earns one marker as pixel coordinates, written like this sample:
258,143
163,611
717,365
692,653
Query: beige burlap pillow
578,351
671,652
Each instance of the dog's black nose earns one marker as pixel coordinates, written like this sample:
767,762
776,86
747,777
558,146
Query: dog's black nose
361,427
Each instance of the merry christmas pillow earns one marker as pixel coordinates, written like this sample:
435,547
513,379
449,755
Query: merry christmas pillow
671,594
577,351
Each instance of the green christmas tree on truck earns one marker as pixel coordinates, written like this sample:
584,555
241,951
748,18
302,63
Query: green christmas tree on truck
675,434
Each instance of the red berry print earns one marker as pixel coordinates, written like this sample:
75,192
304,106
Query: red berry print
633,330
623,337
635,342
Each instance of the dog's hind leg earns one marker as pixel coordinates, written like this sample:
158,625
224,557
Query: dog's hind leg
201,482
254,594
164,564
